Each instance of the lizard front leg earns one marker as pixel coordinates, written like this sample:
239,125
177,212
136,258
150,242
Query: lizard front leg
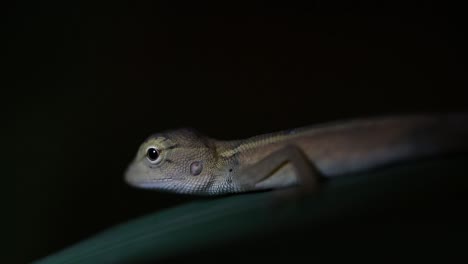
266,174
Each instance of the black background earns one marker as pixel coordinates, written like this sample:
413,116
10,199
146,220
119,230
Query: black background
87,82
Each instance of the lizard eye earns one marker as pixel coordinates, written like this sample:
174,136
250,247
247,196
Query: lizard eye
152,154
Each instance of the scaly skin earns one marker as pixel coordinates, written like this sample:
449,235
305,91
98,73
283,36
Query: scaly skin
190,163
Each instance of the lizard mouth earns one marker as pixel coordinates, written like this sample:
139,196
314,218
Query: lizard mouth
162,179
150,183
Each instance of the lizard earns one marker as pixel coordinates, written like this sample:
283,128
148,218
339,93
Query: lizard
184,161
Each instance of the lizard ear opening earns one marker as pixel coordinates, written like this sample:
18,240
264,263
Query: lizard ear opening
196,168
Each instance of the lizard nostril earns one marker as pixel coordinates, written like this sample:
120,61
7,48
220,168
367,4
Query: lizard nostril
196,168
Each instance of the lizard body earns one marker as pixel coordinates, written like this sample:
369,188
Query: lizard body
184,161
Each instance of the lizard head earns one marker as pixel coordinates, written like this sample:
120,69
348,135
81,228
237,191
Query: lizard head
175,161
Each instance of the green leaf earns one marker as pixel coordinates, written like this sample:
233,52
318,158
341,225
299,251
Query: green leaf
228,223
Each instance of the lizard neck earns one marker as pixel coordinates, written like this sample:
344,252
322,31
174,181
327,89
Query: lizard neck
235,155
222,168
